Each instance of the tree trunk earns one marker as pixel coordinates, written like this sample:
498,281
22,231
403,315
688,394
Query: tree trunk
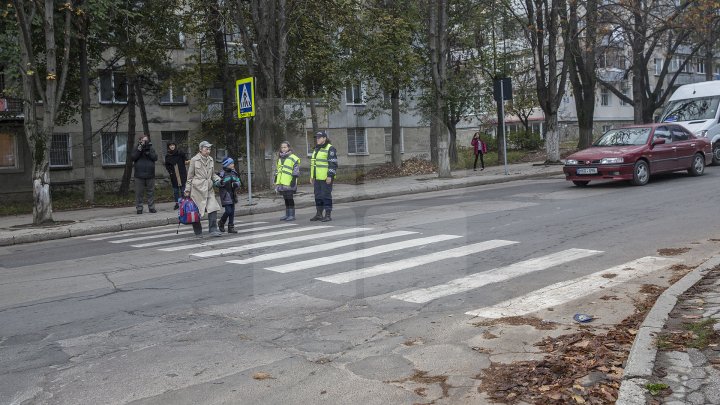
143,111
434,118
438,46
709,56
452,143
395,131
131,145
313,113
89,168
552,139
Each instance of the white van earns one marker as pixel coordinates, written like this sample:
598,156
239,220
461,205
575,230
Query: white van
695,106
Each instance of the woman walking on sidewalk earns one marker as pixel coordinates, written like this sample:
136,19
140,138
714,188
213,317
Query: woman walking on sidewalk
175,161
200,179
479,148
286,175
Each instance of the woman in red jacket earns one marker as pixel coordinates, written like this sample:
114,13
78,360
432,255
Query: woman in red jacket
479,148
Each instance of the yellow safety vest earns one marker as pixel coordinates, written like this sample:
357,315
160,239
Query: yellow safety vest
319,163
285,169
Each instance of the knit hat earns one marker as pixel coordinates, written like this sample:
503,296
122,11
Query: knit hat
228,161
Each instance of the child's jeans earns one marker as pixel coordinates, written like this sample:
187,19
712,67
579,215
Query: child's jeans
229,215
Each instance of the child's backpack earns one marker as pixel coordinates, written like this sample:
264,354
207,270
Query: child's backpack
188,212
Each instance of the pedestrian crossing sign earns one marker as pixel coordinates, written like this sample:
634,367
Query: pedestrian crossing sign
245,97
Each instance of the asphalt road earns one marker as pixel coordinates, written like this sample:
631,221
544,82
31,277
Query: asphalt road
309,314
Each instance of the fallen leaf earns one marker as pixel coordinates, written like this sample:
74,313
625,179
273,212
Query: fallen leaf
262,376
692,316
578,399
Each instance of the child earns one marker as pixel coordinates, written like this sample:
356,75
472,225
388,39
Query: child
286,175
229,182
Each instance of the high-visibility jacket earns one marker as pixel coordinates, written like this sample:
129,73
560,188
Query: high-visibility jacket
319,163
285,169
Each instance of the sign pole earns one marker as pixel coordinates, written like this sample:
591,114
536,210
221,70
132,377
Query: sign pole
502,126
249,166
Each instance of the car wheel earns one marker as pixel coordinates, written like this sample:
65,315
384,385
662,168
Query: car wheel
580,183
698,165
641,173
716,154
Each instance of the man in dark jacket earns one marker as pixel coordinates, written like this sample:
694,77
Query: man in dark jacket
144,158
175,161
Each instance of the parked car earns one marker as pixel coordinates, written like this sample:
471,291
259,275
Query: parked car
635,152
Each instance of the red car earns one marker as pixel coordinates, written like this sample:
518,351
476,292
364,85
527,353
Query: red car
635,152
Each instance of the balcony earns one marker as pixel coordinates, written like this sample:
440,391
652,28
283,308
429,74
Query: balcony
11,109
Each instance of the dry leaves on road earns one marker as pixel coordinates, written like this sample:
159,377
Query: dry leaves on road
578,368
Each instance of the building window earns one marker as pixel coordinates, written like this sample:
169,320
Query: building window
60,151
606,128
700,65
354,94
173,95
8,150
357,141
604,97
658,66
114,148
388,141
113,87
180,138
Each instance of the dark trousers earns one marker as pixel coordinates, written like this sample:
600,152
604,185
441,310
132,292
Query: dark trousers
212,224
228,215
482,163
177,192
289,201
143,186
323,195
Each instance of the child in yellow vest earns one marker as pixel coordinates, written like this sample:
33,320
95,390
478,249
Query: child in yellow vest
286,175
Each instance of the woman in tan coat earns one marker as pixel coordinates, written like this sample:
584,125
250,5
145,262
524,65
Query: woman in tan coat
200,178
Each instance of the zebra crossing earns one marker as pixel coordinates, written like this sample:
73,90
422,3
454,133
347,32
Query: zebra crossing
260,242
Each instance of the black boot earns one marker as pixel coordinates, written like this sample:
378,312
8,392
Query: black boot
231,229
221,224
291,214
326,218
318,216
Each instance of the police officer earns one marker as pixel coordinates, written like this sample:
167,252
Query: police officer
323,168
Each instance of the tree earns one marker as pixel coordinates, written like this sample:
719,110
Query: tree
652,28
44,75
438,51
264,31
382,44
524,99
580,33
542,29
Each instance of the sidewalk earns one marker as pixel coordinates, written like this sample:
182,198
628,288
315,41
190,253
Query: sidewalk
17,229
691,375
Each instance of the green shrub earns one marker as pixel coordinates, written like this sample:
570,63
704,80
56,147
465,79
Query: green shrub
521,140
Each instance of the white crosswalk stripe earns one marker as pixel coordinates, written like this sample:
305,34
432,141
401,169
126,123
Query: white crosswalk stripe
322,248
139,238
223,241
566,291
176,240
399,265
122,234
307,264
317,235
494,276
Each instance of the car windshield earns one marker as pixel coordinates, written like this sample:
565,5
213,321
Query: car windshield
624,137
702,108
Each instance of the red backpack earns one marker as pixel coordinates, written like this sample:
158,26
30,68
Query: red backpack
188,213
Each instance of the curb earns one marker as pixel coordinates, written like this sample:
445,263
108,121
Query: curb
77,229
641,360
